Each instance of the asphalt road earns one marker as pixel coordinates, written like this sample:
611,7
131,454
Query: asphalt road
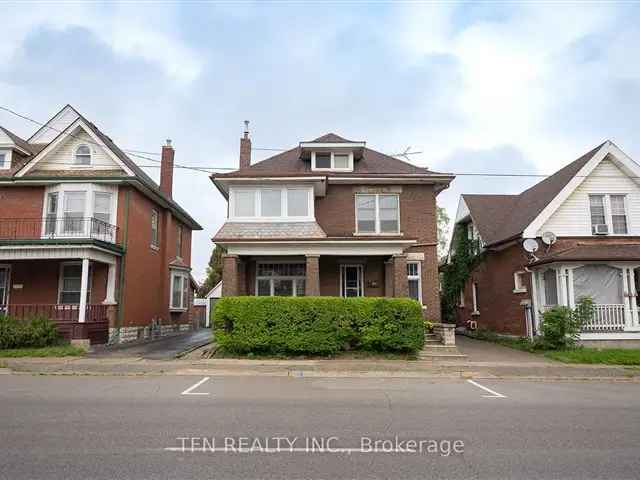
136,427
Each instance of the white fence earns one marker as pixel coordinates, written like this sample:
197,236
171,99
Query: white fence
606,318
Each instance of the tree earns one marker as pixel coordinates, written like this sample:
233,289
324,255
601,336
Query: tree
214,271
443,229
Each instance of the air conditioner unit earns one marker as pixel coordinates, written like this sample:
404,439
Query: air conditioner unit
600,229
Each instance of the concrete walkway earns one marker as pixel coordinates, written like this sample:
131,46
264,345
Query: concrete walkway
480,351
165,348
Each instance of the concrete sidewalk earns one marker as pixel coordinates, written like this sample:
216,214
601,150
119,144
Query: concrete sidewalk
320,368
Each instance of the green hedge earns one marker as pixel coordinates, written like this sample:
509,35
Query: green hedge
34,332
317,325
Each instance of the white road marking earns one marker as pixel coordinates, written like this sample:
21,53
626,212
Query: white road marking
493,393
189,391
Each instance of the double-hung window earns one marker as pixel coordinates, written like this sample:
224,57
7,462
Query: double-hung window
51,219
280,279
414,278
377,213
155,229
70,284
74,206
608,214
179,291
82,155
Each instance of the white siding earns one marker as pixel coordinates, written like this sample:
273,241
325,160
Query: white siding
62,157
573,217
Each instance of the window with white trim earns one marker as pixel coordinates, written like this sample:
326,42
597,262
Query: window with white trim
179,291
332,161
415,281
71,282
518,282
155,228
474,292
608,214
5,163
280,279
74,206
274,203
82,155
377,213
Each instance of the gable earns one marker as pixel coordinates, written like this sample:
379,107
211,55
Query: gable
60,122
62,156
572,218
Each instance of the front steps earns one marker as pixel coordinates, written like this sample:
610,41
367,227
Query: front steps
434,350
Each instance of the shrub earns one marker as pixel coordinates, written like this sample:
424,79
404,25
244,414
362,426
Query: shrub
560,328
317,325
34,332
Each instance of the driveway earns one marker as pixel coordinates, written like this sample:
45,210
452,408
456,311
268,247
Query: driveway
489,352
163,349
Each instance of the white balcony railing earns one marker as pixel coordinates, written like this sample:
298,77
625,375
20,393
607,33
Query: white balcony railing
606,318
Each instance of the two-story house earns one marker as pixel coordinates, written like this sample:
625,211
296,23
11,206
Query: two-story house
87,239
575,234
331,217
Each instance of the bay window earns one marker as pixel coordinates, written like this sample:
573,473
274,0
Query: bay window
274,203
74,206
280,279
377,213
179,291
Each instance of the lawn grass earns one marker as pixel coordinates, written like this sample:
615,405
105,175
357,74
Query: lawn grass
606,356
56,351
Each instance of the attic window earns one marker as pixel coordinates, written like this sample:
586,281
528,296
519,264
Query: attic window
339,161
4,161
83,155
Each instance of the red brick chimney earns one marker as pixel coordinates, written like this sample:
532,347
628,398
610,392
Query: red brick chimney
166,169
245,147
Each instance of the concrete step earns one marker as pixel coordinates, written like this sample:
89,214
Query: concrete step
432,342
440,349
429,335
442,357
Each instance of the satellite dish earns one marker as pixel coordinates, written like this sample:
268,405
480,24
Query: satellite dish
549,238
530,245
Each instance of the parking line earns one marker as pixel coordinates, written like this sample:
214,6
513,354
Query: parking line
189,391
493,393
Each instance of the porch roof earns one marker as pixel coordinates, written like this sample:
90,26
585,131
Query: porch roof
624,252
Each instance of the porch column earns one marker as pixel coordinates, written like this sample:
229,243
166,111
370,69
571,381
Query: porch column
633,297
84,283
388,278
110,298
312,281
229,275
400,280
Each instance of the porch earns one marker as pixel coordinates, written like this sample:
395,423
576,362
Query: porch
73,287
613,287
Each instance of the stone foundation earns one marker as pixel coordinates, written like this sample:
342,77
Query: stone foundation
155,330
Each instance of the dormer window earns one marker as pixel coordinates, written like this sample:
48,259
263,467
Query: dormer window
82,155
332,161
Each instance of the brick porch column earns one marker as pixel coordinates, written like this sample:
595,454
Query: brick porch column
388,278
229,275
312,287
400,281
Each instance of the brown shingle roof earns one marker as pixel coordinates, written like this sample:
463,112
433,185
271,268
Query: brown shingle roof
290,163
595,252
331,138
17,140
502,217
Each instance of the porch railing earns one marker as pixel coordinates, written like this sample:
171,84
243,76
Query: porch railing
95,327
57,228
606,318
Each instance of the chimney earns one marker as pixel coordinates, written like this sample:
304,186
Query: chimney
245,147
166,169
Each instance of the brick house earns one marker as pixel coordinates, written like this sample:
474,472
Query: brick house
331,217
87,238
581,226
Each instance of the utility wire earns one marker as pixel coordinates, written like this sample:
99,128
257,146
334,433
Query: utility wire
209,170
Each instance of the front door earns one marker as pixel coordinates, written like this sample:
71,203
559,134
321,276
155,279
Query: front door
351,281
4,288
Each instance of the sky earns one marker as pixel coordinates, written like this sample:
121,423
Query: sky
476,87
